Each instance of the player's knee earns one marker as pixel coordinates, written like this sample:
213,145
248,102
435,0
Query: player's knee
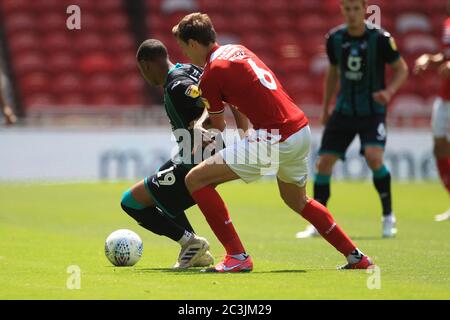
129,202
192,180
297,204
374,162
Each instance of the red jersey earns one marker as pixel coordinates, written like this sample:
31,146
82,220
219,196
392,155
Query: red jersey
235,75
445,88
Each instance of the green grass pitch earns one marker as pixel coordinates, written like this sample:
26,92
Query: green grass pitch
44,229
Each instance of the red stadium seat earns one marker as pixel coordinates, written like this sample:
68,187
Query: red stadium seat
134,99
131,83
62,61
104,99
419,43
24,41
121,41
312,24
28,62
110,5
52,21
100,84
116,21
39,100
281,23
72,99
413,22
34,83
67,83
125,62
97,62
58,41
86,42
10,7
409,105
20,22
256,42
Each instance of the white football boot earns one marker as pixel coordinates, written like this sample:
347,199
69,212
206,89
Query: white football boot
205,260
310,232
389,226
190,253
443,217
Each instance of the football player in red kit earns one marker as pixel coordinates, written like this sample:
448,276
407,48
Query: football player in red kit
441,108
235,75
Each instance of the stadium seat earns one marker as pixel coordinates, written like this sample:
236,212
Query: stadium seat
39,100
413,22
19,22
28,62
72,99
408,106
62,61
67,83
23,41
319,64
59,41
10,7
34,83
419,43
100,83
170,6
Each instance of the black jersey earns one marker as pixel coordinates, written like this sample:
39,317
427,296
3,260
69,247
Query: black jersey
361,62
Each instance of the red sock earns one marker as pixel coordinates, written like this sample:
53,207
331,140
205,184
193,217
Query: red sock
216,213
444,171
323,221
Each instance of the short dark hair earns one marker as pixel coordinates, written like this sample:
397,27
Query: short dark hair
151,50
196,26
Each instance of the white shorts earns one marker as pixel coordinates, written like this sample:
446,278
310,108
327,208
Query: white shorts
440,118
262,154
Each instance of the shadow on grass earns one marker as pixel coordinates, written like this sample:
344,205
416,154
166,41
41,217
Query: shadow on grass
198,271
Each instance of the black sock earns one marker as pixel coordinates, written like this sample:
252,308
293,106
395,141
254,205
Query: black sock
322,188
383,186
183,221
153,220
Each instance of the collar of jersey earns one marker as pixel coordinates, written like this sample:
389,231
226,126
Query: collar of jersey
208,57
177,66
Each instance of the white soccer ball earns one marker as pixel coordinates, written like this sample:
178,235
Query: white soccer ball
123,248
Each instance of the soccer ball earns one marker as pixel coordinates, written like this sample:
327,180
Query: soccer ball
123,248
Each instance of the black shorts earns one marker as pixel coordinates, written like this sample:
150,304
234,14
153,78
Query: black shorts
341,130
168,190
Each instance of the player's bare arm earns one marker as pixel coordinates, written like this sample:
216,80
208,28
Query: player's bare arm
426,61
444,69
242,121
331,82
400,69
10,117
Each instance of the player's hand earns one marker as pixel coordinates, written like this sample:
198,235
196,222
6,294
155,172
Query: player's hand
444,70
10,117
324,117
382,97
207,138
422,64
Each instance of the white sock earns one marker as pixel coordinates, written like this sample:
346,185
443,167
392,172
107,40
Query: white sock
355,256
185,238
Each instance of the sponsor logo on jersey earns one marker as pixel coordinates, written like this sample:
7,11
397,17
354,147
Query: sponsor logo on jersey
393,43
193,91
